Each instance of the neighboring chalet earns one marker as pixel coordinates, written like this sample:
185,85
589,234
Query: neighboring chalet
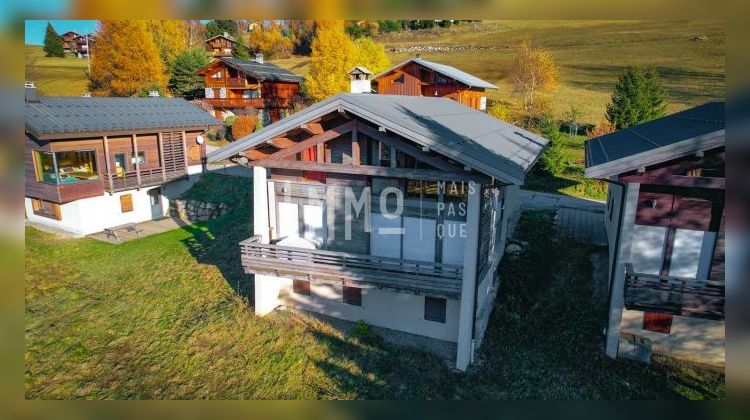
665,222
96,163
385,208
234,86
419,77
77,44
220,45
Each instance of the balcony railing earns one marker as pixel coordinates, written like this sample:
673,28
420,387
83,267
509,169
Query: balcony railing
674,295
347,269
149,177
236,102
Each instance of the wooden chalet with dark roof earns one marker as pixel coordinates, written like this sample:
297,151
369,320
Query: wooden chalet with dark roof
233,86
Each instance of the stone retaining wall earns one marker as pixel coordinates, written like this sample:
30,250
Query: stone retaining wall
196,211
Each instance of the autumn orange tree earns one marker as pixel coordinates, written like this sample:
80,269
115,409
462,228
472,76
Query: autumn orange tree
171,37
534,72
126,60
243,125
270,41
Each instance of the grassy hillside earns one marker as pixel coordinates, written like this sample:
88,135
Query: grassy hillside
55,76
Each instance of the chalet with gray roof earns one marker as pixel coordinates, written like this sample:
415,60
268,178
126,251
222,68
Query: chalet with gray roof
665,223
389,209
249,87
97,163
419,77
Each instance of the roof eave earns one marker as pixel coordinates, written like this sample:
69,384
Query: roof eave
654,156
90,133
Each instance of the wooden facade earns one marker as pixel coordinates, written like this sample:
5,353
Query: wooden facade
121,162
220,46
230,88
414,79
678,197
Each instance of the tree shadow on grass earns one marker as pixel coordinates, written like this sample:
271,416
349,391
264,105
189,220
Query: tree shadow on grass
216,242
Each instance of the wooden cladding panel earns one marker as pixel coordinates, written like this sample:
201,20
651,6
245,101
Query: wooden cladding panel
174,151
126,203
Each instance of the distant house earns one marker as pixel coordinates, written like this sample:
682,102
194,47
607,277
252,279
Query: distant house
95,163
419,77
221,45
234,86
78,44
389,209
665,222
68,40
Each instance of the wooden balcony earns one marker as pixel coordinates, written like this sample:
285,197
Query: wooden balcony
357,270
236,102
674,295
149,178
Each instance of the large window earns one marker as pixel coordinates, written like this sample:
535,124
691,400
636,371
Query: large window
66,167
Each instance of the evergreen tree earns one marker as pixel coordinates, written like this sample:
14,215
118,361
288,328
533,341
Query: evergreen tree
637,98
218,27
53,46
184,81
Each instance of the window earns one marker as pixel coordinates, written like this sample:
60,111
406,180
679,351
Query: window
250,94
442,80
353,296
141,159
65,167
301,287
217,75
656,322
126,203
434,309
46,209
399,79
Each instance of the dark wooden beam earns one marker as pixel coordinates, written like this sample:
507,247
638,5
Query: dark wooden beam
137,164
408,173
672,180
314,140
255,154
406,148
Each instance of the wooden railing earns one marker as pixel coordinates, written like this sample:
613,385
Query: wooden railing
674,295
149,177
236,102
358,270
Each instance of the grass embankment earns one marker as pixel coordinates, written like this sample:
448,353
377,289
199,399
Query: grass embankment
170,316
56,76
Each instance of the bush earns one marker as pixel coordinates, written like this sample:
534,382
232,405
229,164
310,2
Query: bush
243,125
364,333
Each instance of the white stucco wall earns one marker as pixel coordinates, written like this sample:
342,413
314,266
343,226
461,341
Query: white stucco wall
397,311
697,339
91,215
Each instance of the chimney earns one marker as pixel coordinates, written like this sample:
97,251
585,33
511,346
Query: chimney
359,80
153,94
259,58
31,93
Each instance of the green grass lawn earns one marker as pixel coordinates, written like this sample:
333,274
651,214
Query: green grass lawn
55,76
170,316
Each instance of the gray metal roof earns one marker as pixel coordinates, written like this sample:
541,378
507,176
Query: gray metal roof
264,71
452,72
360,69
62,115
666,138
227,37
486,144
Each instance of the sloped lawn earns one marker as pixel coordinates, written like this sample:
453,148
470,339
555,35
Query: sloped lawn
170,316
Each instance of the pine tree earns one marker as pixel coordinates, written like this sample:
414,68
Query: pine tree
184,81
333,55
218,27
126,60
53,46
637,98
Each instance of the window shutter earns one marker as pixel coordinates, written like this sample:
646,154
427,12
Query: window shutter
126,203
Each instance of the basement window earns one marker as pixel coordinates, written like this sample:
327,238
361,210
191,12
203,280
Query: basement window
301,287
353,296
46,209
434,309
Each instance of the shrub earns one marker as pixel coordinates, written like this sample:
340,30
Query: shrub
364,333
243,125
